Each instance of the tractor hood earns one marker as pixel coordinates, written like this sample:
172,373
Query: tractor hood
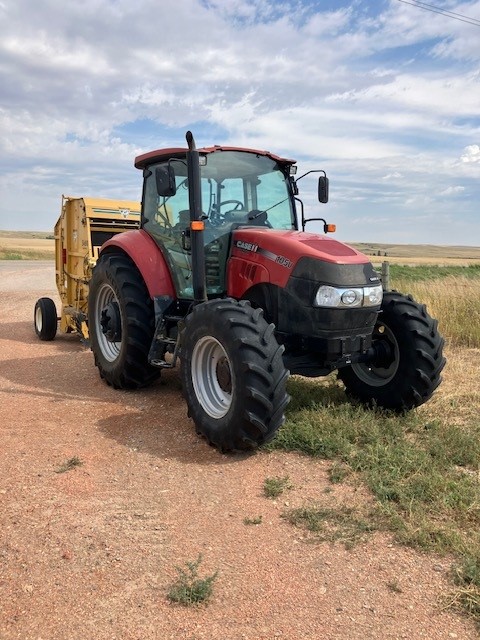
290,246
287,247
286,253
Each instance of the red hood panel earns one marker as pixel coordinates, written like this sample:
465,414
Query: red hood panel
293,245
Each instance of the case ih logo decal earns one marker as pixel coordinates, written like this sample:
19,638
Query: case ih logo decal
250,246
246,246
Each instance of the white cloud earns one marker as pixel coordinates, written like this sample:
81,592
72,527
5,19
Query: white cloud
450,191
471,154
392,176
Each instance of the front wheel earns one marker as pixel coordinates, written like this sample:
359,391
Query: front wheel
233,375
409,359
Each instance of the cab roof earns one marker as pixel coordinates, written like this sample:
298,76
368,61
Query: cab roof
160,155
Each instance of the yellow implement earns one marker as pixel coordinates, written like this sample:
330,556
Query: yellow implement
83,226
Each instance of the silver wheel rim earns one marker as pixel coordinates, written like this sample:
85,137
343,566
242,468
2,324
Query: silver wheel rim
110,350
207,358
379,376
38,319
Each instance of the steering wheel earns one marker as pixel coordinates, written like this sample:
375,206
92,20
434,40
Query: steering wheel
261,216
237,203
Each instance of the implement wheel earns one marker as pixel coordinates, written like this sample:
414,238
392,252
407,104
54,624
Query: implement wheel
409,359
233,375
121,323
45,319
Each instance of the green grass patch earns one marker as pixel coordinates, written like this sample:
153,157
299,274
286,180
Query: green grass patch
274,487
343,524
26,254
405,273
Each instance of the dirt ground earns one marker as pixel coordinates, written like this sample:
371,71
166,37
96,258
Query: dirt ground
90,553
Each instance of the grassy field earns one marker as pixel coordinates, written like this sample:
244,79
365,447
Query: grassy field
420,254
422,468
31,245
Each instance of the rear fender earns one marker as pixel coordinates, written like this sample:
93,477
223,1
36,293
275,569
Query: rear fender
148,258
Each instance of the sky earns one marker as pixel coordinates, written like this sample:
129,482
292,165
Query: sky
382,95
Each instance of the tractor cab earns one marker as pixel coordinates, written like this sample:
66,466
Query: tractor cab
239,188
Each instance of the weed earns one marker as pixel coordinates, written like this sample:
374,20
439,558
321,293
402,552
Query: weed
251,521
273,487
69,464
331,525
189,589
394,587
468,572
465,599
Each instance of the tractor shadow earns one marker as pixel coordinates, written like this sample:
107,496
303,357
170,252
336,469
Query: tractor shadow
308,393
24,333
162,427
152,420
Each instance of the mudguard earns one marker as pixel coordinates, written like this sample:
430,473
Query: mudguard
148,258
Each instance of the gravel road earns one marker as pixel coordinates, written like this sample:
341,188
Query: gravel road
27,275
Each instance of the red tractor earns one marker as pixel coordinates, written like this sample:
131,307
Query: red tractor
220,276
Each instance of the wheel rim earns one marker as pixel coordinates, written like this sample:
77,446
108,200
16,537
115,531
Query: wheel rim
110,350
212,377
376,376
38,318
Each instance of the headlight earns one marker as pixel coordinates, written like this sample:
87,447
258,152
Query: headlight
328,296
352,297
372,296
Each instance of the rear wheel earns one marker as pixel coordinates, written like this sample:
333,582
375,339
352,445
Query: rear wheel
121,323
406,370
233,375
45,319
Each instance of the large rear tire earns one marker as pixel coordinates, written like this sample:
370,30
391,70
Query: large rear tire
45,319
121,323
410,360
233,375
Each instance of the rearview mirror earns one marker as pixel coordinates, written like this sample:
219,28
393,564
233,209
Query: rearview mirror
323,189
165,179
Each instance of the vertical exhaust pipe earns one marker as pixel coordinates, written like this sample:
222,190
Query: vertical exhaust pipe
197,224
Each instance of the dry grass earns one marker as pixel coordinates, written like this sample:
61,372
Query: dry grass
455,302
16,245
458,398
27,240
